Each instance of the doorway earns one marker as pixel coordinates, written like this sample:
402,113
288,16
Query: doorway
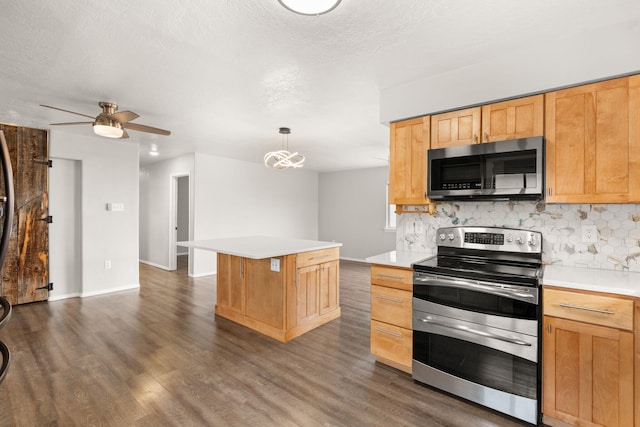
180,227
65,233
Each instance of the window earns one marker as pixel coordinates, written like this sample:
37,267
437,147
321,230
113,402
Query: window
391,212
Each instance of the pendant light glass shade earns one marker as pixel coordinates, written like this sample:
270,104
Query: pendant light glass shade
283,159
310,7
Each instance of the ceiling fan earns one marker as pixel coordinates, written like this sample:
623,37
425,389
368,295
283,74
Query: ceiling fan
110,123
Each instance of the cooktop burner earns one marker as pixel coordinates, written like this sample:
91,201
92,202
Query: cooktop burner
487,254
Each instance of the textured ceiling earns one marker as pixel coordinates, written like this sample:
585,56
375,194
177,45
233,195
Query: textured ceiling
223,76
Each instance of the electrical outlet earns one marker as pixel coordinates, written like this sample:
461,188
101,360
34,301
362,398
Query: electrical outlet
589,234
275,264
107,264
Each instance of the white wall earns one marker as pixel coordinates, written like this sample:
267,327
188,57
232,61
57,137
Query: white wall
109,171
65,233
238,198
155,208
602,52
352,211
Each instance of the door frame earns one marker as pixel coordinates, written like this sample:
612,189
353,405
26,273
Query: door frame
173,218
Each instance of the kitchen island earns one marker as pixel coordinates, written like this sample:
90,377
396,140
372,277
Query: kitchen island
280,287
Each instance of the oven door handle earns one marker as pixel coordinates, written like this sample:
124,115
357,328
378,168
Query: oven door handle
474,331
486,287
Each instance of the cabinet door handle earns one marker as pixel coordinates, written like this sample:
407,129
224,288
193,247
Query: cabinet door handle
486,137
597,310
390,276
475,138
389,299
384,331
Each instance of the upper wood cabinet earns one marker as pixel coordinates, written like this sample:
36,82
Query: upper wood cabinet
517,118
593,142
461,127
408,162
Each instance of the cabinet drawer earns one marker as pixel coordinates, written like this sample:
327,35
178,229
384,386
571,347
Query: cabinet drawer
590,308
391,306
304,259
399,278
392,343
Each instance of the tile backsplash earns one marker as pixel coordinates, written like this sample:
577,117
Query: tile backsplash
617,246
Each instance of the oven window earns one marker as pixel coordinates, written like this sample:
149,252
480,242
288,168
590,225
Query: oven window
476,363
478,302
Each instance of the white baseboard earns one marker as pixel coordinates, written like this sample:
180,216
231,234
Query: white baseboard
110,290
208,273
93,293
63,296
153,264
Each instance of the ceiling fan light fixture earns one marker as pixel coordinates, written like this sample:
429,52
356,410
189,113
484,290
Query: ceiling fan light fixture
107,128
310,8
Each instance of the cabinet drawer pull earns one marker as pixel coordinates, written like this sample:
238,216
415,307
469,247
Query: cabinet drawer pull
388,332
389,299
390,276
597,310
318,257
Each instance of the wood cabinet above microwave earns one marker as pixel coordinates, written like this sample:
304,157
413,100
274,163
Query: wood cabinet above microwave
501,121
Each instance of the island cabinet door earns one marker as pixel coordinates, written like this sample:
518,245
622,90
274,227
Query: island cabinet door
231,283
306,296
265,291
329,288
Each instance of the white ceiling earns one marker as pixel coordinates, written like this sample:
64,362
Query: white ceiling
223,76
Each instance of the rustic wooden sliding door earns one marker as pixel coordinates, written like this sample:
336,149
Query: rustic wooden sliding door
25,277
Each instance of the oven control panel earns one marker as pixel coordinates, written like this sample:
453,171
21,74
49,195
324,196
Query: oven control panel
490,238
484,238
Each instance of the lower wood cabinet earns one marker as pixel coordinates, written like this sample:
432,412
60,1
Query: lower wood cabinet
391,314
302,294
588,359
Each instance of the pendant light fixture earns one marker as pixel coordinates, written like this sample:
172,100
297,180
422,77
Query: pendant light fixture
310,7
283,159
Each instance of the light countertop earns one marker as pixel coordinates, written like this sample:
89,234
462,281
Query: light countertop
258,247
398,258
591,279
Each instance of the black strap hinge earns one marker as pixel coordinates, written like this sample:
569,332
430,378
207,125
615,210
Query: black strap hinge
48,219
48,286
48,163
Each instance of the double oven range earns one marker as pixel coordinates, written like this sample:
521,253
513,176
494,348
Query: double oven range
476,318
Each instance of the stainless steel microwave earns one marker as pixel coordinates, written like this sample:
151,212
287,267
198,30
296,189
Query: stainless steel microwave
503,170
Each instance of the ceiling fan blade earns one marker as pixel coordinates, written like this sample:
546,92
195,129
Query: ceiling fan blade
70,123
124,116
143,128
124,134
67,111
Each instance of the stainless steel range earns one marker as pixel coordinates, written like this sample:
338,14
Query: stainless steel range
476,318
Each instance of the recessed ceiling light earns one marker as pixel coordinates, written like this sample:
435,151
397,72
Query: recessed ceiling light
154,150
312,8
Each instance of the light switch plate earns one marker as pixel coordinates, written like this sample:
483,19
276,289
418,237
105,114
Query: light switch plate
275,264
589,234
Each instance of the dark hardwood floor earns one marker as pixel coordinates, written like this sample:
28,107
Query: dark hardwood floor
159,356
